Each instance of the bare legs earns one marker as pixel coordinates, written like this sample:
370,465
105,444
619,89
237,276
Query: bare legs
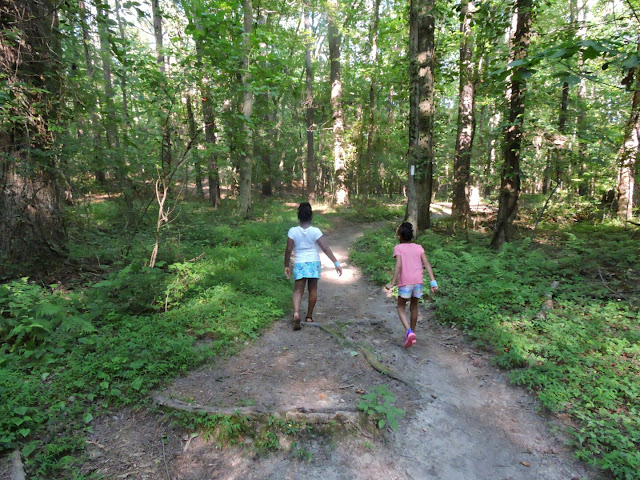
298,291
413,310
313,296
402,312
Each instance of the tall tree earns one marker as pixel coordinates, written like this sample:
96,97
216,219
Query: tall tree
157,33
510,173
31,219
246,163
466,115
311,163
628,154
422,111
373,41
192,133
123,73
340,194
111,125
210,139
91,107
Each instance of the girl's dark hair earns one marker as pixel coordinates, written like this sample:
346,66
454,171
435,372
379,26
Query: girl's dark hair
304,212
405,232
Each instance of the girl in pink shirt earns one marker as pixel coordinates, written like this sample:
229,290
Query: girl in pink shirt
408,272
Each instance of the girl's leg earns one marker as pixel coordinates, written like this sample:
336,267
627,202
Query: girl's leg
402,312
313,296
413,308
298,291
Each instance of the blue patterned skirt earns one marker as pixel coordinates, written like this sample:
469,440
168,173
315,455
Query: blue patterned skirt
306,270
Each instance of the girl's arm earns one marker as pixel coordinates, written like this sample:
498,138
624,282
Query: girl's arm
287,257
396,273
427,265
325,248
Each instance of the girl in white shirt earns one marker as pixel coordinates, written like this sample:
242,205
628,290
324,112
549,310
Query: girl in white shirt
305,240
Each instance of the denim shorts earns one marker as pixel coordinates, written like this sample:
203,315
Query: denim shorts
413,290
306,270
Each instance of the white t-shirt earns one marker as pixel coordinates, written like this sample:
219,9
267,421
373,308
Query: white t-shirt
304,243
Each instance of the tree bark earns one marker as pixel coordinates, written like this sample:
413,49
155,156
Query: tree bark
373,40
628,153
510,173
192,133
466,116
31,218
123,73
210,139
581,94
246,163
340,193
157,33
422,111
311,162
95,123
111,126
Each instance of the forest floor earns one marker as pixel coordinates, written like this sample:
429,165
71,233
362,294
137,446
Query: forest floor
463,419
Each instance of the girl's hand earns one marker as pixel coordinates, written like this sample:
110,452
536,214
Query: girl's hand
287,272
339,270
434,289
389,286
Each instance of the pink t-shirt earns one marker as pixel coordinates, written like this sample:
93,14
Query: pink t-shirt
411,271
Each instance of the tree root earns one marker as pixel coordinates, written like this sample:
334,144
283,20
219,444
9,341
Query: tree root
370,358
297,414
17,469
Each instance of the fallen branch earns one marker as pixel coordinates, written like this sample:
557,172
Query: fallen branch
618,294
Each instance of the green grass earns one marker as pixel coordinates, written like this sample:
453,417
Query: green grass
583,356
117,329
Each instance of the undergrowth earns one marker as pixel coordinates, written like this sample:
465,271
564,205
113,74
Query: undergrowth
117,329
580,357
260,435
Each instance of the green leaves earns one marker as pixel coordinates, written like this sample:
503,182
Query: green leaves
379,403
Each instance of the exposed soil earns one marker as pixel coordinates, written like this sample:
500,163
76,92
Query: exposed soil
463,420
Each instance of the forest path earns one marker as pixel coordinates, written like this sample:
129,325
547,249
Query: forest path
464,421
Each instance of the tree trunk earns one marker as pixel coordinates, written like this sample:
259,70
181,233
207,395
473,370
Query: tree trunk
157,33
422,110
340,193
166,148
86,42
628,153
31,218
111,126
123,74
192,133
268,148
510,174
311,162
373,40
466,116
247,108
581,94
213,175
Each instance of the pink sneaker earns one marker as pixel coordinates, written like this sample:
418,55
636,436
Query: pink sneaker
410,339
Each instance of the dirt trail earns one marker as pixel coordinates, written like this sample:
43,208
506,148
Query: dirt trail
466,421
